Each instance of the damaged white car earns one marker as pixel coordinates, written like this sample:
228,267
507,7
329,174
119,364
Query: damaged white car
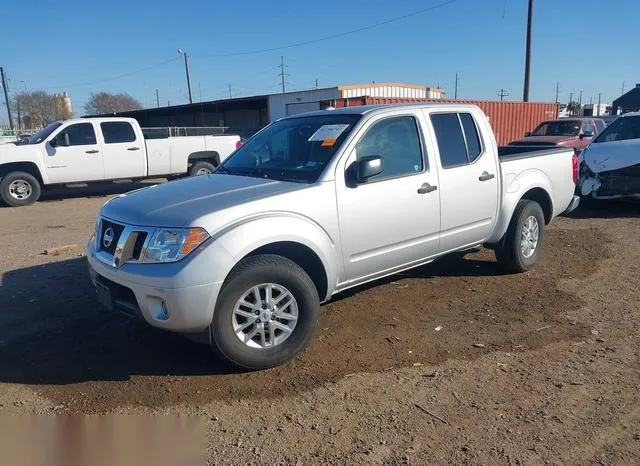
610,166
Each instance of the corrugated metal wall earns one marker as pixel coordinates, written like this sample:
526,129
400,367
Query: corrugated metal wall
509,120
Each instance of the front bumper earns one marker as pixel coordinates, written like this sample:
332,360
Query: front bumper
179,296
573,205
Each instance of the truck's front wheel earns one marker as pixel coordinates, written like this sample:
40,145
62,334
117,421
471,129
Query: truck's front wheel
266,313
19,189
520,248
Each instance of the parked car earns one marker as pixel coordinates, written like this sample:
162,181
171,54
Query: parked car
564,132
315,204
98,150
610,166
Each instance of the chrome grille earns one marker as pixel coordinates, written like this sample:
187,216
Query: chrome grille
124,243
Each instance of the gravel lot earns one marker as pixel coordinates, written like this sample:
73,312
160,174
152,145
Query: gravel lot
542,367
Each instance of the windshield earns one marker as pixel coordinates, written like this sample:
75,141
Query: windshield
620,130
295,149
557,128
44,133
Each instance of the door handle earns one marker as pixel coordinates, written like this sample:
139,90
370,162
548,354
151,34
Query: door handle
426,188
486,176
133,148
93,151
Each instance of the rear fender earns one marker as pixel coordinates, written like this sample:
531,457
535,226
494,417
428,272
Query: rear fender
515,187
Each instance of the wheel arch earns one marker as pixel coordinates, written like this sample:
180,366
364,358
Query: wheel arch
294,238
27,167
205,155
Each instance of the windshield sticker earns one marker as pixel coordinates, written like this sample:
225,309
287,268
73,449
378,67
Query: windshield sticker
328,133
328,142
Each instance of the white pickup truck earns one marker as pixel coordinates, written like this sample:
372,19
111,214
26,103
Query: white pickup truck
102,149
315,204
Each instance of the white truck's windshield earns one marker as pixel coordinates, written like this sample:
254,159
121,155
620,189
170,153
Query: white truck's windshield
295,149
44,133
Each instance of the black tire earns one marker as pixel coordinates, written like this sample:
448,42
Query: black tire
201,166
251,272
25,194
509,252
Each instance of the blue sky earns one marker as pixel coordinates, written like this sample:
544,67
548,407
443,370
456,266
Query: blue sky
79,46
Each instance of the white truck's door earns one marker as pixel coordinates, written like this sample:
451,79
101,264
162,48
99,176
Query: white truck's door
80,160
469,172
124,150
393,219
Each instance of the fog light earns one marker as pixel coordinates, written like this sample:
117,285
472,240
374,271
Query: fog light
164,312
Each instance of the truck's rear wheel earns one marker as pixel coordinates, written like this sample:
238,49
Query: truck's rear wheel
520,248
19,189
201,167
266,313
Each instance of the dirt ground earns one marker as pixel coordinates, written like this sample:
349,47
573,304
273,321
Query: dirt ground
536,368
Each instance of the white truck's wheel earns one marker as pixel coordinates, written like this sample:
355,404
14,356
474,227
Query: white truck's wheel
19,189
520,248
266,313
201,168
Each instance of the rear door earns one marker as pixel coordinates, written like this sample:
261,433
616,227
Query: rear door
469,171
124,150
81,160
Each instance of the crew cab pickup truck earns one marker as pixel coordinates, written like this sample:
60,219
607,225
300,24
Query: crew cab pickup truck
312,205
101,149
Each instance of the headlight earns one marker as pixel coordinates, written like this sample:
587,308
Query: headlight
172,244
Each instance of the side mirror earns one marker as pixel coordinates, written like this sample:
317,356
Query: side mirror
53,142
369,167
586,134
527,134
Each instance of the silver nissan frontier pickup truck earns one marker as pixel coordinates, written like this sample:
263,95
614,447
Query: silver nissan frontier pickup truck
312,205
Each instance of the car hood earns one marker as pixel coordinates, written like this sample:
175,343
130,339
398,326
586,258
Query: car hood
607,156
181,203
10,151
543,139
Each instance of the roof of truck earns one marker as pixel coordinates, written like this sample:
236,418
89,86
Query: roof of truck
368,109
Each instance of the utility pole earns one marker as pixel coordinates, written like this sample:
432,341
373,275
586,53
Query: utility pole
6,96
580,98
157,99
200,91
455,92
527,55
557,90
316,83
282,73
502,94
230,89
570,97
599,101
186,69
622,91
18,110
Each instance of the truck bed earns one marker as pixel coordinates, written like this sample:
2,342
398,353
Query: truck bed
517,152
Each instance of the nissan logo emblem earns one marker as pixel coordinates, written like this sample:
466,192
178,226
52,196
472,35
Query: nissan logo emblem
108,237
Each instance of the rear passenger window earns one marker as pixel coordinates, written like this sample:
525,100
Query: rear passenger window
458,138
115,132
474,148
453,150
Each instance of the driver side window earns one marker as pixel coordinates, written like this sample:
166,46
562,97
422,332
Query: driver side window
397,141
81,134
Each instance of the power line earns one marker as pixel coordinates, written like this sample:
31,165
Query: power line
113,78
332,36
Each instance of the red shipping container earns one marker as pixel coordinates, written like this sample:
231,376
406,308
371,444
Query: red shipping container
509,120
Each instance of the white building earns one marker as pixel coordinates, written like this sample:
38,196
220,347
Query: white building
595,109
291,103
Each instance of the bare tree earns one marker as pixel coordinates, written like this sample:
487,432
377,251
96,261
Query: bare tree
105,103
36,109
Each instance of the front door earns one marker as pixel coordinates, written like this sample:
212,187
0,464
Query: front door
80,160
469,173
393,219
